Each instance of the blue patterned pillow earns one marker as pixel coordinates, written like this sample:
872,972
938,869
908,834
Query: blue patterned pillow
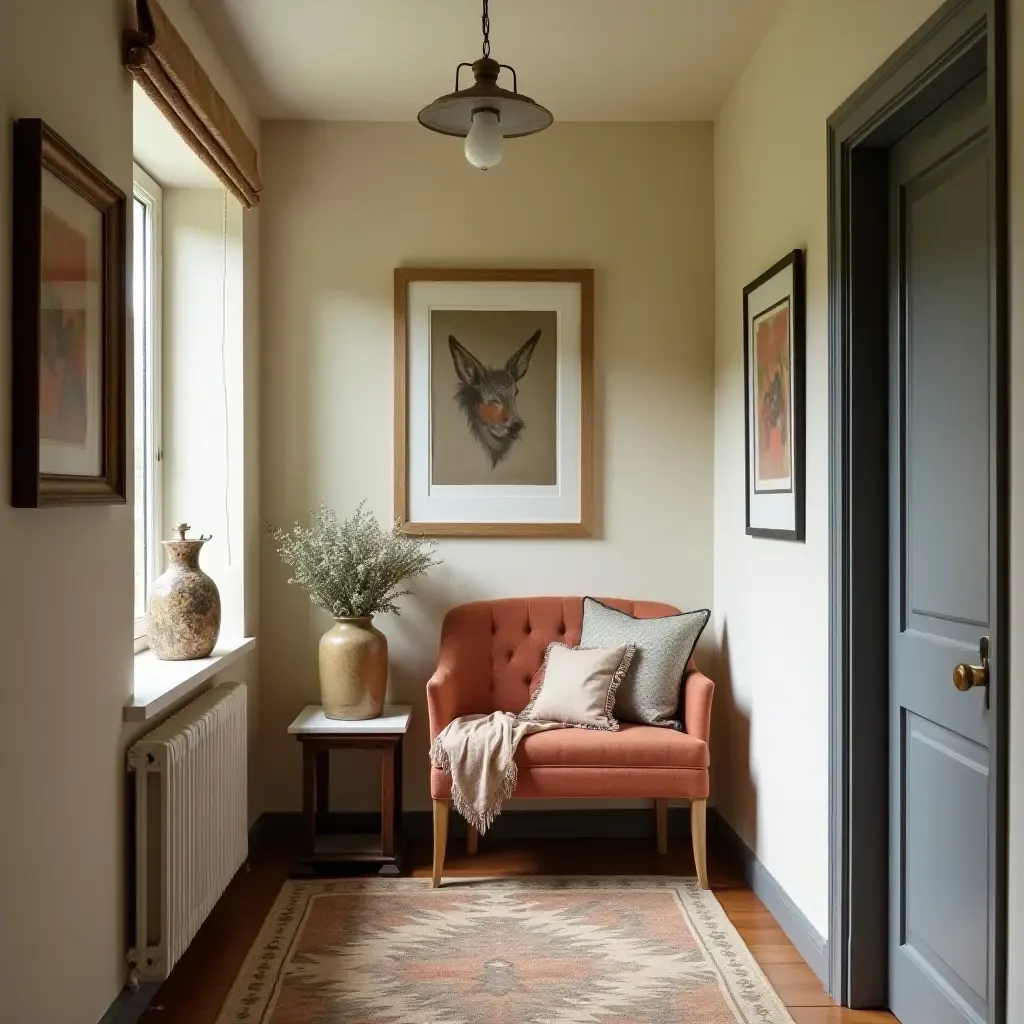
650,691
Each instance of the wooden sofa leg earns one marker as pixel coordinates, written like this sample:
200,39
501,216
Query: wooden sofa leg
440,838
472,840
661,824
698,829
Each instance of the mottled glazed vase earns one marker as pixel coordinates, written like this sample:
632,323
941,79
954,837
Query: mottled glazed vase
353,670
184,604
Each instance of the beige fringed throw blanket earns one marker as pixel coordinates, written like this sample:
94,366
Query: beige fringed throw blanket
479,752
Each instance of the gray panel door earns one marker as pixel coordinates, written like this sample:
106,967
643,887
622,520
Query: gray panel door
940,571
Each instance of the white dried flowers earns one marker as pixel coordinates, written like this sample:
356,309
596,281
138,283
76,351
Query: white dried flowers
352,569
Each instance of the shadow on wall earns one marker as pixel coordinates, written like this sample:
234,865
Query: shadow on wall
291,643
413,659
733,789
413,639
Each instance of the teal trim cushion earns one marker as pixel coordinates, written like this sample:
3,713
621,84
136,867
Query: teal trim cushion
649,693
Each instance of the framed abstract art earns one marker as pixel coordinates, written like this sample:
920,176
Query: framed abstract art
493,402
774,354
69,321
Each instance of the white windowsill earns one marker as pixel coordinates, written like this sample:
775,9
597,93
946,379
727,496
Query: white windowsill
158,684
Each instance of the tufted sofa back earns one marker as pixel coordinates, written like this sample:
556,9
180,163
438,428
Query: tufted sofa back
502,642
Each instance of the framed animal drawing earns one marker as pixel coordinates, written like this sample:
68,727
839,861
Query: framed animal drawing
774,352
493,385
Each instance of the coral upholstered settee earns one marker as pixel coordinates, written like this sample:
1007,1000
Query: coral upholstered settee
490,654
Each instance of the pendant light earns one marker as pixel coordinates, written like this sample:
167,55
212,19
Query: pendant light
485,114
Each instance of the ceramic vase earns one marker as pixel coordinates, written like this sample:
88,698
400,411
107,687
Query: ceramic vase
353,670
184,604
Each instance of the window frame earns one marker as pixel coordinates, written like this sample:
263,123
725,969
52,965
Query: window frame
149,192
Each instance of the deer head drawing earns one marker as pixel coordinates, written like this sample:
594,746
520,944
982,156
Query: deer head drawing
487,397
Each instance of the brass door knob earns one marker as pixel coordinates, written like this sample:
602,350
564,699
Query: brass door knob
967,676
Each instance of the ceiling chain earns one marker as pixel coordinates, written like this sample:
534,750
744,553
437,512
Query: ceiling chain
486,23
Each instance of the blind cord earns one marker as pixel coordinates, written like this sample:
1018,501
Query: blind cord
224,370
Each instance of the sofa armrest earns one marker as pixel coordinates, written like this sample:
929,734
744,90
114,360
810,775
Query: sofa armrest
442,696
451,694
461,684
699,692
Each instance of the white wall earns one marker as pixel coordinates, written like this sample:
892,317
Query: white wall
345,205
246,553
210,442
253,523
203,427
65,593
771,597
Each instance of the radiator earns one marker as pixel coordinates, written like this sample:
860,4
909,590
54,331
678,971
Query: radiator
191,824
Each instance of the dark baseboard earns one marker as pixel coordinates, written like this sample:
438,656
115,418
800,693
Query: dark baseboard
129,1006
259,832
614,823
807,939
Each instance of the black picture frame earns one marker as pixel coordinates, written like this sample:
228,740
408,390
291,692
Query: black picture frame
791,265
38,150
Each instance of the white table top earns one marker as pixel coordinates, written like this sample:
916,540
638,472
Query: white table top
313,722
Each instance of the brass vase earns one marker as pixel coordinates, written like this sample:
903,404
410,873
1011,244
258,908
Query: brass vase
353,670
184,604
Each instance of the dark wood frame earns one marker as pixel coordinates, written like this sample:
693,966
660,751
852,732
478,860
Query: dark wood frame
316,775
404,276
798,321
38,149
963,39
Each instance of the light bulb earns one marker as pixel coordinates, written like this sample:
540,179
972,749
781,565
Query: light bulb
485,145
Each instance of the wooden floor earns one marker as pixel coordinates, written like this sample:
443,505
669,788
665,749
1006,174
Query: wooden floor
199,984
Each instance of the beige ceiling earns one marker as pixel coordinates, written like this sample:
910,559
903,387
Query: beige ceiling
587,60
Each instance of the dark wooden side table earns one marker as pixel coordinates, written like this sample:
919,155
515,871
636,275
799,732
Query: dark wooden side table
319,735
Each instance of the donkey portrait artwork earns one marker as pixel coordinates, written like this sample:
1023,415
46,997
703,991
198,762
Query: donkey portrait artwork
494,397
487,396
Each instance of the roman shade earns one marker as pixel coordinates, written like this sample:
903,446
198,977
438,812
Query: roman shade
163,65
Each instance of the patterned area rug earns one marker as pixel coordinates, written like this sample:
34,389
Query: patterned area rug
510,951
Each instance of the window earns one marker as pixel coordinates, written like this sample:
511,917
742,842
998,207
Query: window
148,454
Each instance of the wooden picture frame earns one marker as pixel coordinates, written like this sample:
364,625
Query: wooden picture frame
68,326
774,355
531,506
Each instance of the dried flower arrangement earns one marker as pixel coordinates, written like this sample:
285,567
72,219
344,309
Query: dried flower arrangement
353,569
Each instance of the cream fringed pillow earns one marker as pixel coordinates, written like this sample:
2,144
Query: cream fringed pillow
578,686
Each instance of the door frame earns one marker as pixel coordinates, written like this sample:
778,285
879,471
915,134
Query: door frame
961,40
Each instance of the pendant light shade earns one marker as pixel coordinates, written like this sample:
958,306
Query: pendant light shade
485,113
517,114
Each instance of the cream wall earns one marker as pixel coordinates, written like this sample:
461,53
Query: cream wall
65,597
771,597
345,205
65,591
